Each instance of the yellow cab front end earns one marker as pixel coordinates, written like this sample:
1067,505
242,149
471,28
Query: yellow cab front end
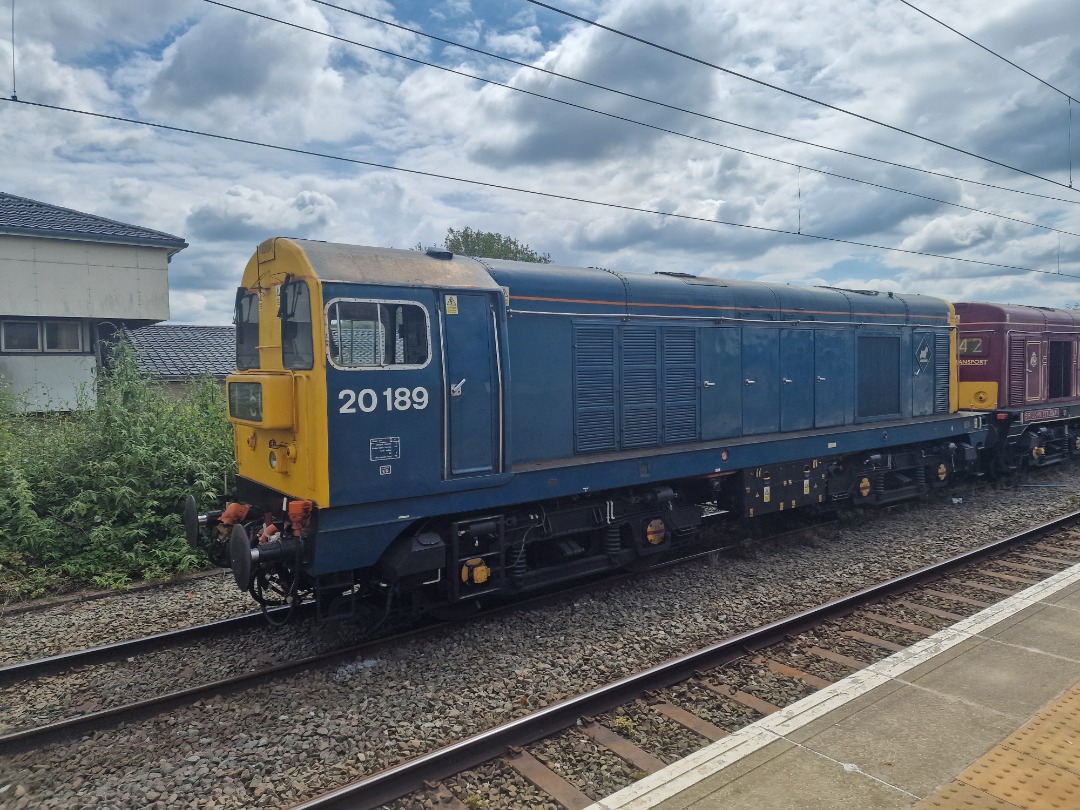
277,397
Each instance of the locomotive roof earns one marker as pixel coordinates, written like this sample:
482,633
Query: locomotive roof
982,314
547,287
535,287
399,268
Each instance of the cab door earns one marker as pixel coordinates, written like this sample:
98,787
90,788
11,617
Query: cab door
473,384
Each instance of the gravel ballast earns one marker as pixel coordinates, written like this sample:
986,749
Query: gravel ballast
308,733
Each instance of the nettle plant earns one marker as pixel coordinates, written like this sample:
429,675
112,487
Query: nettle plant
93,496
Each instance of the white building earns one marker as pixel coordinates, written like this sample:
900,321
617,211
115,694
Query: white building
69,280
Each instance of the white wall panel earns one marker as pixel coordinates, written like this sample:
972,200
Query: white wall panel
49,382
17,248
63,278
19,282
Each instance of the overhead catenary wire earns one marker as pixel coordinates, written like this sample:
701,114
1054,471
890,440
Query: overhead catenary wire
990,51
636,122
795,94
1069,98
673,107
520,190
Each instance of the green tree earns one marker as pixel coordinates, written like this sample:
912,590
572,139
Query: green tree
488,245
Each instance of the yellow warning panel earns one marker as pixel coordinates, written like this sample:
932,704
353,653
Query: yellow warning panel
1037,766
1052,743
1023,780
959,796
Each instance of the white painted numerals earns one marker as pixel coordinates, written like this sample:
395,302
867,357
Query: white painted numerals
368,400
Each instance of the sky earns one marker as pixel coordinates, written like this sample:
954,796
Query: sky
652,157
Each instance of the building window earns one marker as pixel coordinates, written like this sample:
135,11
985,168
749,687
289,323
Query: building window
20,336
63,336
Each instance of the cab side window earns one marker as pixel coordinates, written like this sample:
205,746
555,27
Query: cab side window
377,334
297,343
247,329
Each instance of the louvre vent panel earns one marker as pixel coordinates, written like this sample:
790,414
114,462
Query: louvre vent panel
639,347
595,431
680,347
1017,372
595,346
680,423
634,386
680,383
941,373
640,386
680,386
639,427
595,387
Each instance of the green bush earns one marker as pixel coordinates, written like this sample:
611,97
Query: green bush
94,496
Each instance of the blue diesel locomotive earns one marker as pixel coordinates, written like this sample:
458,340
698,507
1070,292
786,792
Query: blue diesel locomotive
415,430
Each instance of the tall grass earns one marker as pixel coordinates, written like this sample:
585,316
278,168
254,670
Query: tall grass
93,497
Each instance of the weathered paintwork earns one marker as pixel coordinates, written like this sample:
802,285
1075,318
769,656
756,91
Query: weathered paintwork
1017,357
545,381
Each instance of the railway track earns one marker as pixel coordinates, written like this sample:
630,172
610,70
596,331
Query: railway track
298,736
973,572
79,597
41,667
40,736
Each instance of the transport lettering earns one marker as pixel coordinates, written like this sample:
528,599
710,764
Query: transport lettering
368,400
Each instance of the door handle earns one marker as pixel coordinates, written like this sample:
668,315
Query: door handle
709,384
749,382
455,388
787,381
821,379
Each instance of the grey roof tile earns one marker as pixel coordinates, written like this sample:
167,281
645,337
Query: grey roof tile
179,352
25,217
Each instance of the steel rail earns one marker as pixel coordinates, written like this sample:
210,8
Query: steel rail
81,597
400,780
50,665
61,730
35,738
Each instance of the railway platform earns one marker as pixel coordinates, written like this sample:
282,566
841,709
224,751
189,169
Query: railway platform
983,715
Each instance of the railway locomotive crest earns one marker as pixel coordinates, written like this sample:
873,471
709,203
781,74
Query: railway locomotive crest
923,355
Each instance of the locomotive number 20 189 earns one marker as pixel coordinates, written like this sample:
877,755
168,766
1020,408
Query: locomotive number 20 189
392,399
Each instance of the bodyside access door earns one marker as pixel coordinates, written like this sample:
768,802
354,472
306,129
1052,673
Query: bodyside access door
796,379
833,355
760,380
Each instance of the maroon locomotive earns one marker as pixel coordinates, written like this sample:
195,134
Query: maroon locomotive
1019,363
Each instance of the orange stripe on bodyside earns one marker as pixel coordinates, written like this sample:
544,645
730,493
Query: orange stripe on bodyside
1043,326
705,306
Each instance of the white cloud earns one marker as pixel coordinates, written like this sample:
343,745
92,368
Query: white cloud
520,43
193,66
